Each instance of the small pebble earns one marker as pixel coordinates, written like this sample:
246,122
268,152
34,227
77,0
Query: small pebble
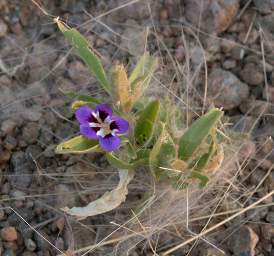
31,115
252,75
3,28
77,71
211,252
247,150
10,142
60,223
255,108
30,244
5,188
264,6
222,83
216,16
227,44
267,231
11,245
27,253
180,53
30,133
9,234
59,243
229,64
237,53
8,252
19,195
2,216
40,242
269,94
257,176
163,14
243,241
5,156
270,217
8,126
197,55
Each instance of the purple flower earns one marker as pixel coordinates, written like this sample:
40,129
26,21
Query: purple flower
100,124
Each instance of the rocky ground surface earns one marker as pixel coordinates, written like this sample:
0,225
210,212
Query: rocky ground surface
235,38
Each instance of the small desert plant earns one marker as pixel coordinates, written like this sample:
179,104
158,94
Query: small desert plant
134,130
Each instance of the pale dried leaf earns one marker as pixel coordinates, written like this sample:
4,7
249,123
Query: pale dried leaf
216,162
109,201
122,87
77,104
136,93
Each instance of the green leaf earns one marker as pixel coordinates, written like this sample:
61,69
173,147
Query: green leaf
140,162
145,123
142,74
162,154
197,133
201,163
131,151
83,49
143,153
179,185
144,68
203,179
118,163
78,145
183,181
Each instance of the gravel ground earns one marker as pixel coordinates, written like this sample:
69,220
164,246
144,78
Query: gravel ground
234,38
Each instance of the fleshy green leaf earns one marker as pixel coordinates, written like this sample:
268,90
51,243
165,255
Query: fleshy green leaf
203,179
145,123
78,145
183,180
162,154
201,163
179,185
83,49
109,201
143,153
197,133
118,163
140,162
141,75
131,151
144,70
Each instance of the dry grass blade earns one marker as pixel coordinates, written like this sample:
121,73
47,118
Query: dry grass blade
205,232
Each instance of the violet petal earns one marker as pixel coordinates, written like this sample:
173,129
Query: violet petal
88,131
104,110
109,142
120,124
83,114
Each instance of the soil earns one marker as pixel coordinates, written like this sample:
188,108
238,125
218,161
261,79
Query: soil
225,46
